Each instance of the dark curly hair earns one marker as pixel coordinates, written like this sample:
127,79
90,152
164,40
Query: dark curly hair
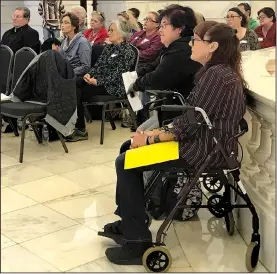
180,17
269,12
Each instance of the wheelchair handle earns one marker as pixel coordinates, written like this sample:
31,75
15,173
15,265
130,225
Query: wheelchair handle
186,108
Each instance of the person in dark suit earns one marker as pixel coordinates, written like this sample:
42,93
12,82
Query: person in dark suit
21,35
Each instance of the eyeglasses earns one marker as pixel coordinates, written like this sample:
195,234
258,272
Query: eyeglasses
147,19
231,17
193,39
163,26
262,17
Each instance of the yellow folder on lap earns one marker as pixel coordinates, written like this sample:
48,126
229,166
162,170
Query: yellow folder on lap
152,154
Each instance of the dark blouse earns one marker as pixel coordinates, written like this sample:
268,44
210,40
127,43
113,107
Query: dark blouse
250,41
220,93
270,39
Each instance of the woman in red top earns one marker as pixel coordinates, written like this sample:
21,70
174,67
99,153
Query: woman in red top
267,29
97,34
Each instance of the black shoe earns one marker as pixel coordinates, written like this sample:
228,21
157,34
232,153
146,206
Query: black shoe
77,135
113,231
129,254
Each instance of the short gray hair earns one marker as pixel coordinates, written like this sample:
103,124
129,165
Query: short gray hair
124,28
80,10
26,12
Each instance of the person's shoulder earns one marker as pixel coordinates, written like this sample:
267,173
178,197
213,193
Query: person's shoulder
221,71
31,30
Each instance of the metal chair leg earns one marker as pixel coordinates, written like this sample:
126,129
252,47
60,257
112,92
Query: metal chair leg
87,114
62,141
22,139
14,128
111,118
103,124
132,114
35,129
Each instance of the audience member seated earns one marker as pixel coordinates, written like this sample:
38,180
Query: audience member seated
97,34
148,41
81,13
125,16
135,12
245,8
219,91
21,35
267,29
75,46
105,77
174,69
248,38
51,44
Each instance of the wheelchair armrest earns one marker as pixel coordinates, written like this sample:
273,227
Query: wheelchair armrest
164,92
190,110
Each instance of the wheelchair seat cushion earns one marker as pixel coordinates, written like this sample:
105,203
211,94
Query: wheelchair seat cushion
22,109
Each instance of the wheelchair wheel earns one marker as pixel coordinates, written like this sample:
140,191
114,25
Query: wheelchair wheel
157,259
217,206
148,218
252,256
230,223
212,184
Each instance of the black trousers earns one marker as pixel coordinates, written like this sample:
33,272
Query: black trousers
130,196
84,93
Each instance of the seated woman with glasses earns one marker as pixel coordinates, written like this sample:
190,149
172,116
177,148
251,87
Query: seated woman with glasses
97,34
267,29
148,40
105,77
247,37
219,90
174,69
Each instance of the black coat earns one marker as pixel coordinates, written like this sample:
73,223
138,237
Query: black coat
21,37
173,70
50,79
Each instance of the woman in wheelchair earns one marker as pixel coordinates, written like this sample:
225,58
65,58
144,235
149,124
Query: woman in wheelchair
105,77
219,91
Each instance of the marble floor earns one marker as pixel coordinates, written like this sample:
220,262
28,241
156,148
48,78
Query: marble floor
54,203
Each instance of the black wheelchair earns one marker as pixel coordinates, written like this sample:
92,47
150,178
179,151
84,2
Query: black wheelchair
158,258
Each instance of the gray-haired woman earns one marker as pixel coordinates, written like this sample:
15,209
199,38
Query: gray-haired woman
105,77
97,33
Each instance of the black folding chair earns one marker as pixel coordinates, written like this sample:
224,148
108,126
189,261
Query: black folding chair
109,103
6,57
22,59
31,114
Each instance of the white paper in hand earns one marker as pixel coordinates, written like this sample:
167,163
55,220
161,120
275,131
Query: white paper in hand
128,79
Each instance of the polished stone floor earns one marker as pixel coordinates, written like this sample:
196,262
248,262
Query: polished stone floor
54,203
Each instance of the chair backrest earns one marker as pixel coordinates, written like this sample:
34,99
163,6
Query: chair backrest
136,51
6,57
95,53
22,59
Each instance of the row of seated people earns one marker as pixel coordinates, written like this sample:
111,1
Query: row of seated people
166,72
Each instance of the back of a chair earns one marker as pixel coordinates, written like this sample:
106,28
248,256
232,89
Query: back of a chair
136,51
6,57
22,59
95,53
